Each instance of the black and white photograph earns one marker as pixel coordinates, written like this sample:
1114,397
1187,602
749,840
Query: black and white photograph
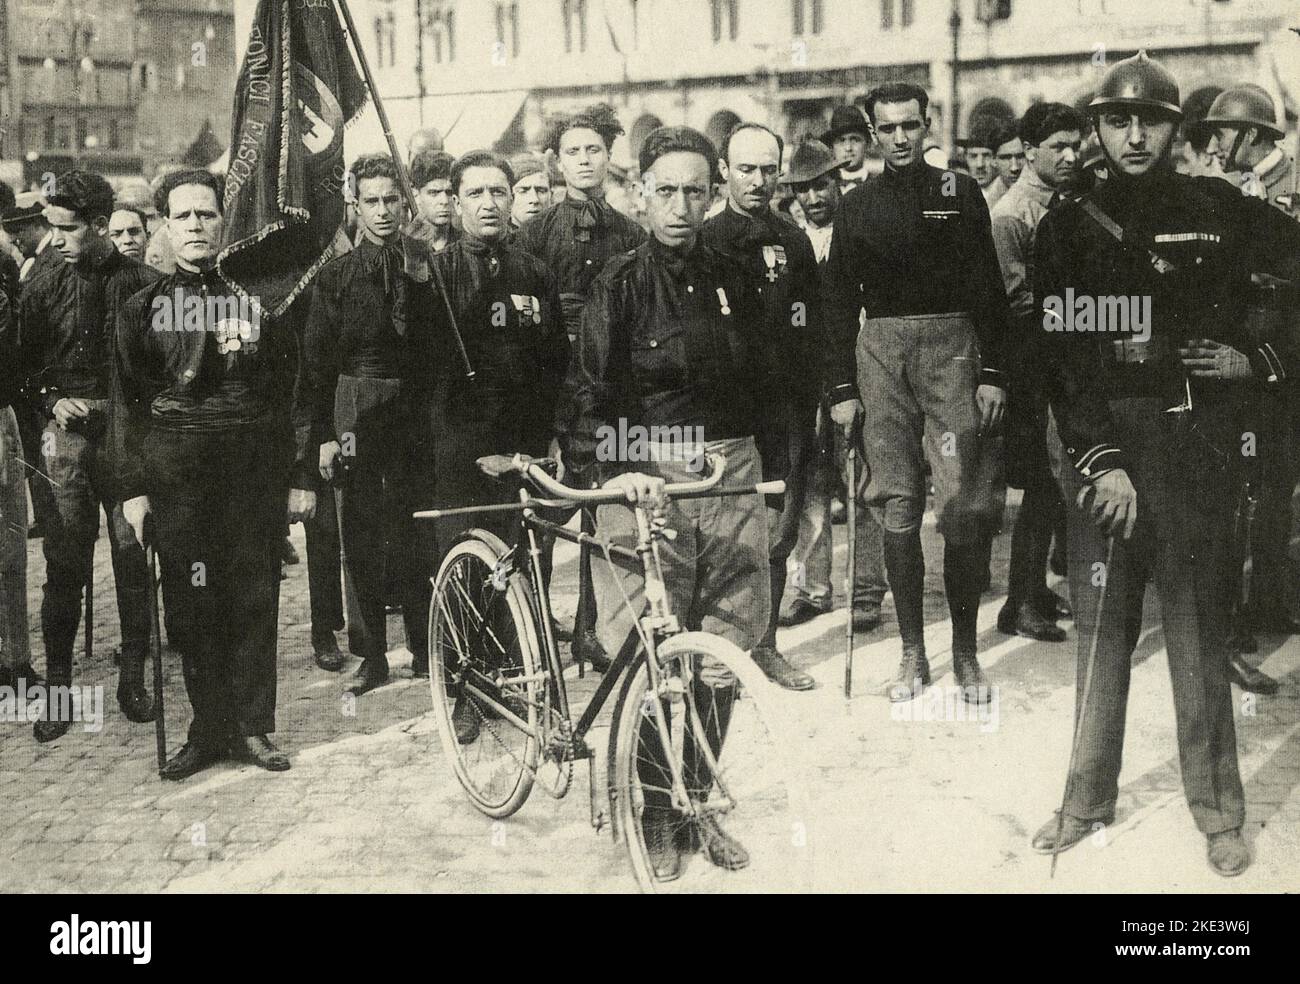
735,447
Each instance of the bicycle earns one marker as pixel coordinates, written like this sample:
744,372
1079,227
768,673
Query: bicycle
492,647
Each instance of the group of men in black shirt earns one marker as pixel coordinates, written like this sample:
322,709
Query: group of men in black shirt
432,345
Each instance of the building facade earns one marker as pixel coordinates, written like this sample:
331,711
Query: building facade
489,71
184,77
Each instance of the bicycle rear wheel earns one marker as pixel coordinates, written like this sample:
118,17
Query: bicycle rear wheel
481,638
754,793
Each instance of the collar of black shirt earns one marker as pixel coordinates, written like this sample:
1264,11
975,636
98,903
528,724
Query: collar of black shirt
676,259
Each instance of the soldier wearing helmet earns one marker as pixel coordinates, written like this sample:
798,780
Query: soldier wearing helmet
1152,378
1245,124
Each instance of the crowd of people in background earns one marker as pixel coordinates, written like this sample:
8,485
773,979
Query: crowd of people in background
859,291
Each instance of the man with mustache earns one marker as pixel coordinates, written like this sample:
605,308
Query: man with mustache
1146,437
575,237
813,177
913,249
1051,137
204,445
65,343
782,271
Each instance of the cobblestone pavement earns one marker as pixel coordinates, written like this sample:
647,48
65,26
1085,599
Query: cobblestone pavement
898,802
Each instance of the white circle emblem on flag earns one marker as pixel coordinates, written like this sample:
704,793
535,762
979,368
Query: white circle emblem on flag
319,115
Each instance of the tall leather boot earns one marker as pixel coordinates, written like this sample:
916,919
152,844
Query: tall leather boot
132,698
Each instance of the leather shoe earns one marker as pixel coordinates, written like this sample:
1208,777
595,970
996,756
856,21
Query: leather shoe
866,618
420,665
1073,830
193,757
722,850
135,702
258,750
464,720
801,610
1227,853
1051,605
45,730
913,674
288,554
1029,622
779,671
661,844
975,687
1248,678
370,674
326,653
587,649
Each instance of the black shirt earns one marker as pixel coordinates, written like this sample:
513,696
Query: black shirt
196,377
915,240
575,239
508,313
779,262
351,330
673,339
66,324
1190,247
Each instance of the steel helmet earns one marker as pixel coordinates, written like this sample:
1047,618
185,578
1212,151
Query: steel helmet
1242,106
1139,81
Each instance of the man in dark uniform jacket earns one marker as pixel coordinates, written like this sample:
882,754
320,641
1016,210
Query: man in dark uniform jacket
913,247
65,347
575,238
507,312
779,261
364,377
673,338
1152,417
203,441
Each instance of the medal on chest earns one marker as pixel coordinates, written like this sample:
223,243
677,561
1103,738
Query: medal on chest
722,301
774,259
529,308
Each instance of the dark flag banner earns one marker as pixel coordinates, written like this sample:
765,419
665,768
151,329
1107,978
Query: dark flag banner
297,91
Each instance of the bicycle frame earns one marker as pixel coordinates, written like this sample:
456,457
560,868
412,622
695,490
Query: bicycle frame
651,626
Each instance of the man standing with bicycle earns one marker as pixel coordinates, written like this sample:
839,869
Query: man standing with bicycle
668,340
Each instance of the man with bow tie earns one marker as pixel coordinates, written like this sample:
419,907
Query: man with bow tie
202,441
365,395
507,312
575,238
781,268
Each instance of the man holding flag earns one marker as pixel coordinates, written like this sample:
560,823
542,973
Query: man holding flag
204,437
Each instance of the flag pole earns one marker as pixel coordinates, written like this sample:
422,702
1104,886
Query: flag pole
403,178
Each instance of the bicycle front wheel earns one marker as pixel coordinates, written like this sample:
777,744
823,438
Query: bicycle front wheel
747,782
483,675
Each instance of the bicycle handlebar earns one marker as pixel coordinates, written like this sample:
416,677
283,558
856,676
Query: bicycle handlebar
548,485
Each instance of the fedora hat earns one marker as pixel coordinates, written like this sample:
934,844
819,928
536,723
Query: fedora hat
810,160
